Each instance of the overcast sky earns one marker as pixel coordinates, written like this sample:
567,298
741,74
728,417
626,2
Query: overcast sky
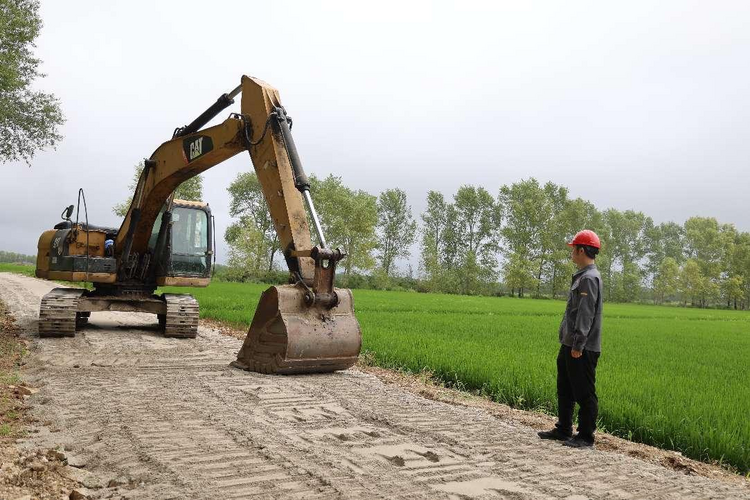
632,105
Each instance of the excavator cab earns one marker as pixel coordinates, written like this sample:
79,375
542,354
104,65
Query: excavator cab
185,258
191,242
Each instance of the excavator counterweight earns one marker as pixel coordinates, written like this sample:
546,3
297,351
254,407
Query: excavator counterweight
303,327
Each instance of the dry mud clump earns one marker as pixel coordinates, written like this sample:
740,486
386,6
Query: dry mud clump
25,473
37,474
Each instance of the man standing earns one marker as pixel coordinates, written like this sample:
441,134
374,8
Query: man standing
580,339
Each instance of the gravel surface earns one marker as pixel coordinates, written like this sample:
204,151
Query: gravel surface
146,417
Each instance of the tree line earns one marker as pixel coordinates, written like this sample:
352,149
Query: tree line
16,258
512,242
477,243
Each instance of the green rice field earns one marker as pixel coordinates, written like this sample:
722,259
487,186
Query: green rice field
673,377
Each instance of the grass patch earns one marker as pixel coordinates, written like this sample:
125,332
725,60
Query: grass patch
9,378
670,377
25,269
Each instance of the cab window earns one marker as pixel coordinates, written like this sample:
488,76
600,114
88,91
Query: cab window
189,241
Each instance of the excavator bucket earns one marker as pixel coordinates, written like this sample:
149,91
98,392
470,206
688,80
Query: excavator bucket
289,335
308,326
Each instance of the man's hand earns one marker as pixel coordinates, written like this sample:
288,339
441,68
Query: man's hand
576,354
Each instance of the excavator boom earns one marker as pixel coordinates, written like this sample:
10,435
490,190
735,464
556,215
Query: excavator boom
188,155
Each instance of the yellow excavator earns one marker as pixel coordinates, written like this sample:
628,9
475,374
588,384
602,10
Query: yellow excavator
305,326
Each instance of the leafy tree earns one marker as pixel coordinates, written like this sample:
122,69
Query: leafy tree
739,266
518,274
672,241
733,290
248,252
521,232
703,243
29,119
666,281
706,242
554,234
692,282
396,227
475,219
248,204
735,266
626,248
434,225
536,228
453,246
349,219
628,284
190,190
460,241
663,241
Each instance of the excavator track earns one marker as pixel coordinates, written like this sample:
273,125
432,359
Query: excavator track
181,320
58,313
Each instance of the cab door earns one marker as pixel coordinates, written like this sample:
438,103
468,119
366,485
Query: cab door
190,242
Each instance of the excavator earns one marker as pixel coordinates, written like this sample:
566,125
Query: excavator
305,326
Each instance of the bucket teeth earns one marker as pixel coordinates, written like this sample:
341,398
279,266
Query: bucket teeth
288,336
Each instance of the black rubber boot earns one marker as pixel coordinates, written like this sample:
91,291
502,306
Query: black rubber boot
578,442
555,434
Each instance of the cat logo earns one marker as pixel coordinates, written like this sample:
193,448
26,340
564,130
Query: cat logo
195,147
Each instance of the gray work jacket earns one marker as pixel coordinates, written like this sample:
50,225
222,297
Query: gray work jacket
581,327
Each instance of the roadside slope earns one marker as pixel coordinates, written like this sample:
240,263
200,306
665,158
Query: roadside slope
150,417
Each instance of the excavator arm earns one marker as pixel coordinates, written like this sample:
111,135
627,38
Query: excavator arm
262,128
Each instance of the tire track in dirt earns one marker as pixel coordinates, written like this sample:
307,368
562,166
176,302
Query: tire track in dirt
168,418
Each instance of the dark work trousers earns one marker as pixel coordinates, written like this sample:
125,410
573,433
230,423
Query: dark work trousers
576,383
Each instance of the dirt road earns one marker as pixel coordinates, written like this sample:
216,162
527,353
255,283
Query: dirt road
158,418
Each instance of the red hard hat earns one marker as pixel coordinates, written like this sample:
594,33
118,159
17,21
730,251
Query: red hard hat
586,237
